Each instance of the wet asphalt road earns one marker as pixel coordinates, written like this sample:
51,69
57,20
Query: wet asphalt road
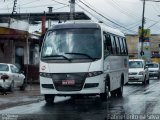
138,102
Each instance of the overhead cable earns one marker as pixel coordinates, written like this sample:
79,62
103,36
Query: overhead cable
106,17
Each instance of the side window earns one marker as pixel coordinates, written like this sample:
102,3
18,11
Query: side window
113,45
12,69
117,45
16,69
125,47
122,46
107,44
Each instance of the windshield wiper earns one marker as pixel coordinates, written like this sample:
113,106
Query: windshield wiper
58,56
82,54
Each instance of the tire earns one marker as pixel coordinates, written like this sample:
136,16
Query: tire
104,96
147,81
113,93
144,82
11,88
158,76
22,88
49,98
119,91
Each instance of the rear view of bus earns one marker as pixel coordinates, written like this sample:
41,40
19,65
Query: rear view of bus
72,61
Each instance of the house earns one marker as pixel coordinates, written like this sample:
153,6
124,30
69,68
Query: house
20,48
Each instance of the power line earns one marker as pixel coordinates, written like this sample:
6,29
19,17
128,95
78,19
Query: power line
153,24
29,3
96,9
61,7
59,2
137,23
106,17
91,14
122,10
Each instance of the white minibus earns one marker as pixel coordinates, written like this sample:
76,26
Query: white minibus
83,58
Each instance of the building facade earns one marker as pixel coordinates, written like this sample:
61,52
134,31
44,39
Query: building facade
133,43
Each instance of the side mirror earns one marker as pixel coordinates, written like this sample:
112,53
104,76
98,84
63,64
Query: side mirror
146,67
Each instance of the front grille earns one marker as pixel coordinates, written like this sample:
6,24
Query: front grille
132,73
79,79
152,71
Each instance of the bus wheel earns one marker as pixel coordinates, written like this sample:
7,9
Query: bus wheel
113,93
120,90
104,96
49,98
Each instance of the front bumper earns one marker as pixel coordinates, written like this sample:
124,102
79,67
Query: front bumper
136,78
91,86
153,74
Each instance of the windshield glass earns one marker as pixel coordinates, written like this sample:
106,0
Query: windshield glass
4,67
135,64
152,65
73,44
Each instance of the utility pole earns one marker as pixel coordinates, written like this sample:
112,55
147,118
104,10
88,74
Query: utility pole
72,9
142,33
49,21
14,7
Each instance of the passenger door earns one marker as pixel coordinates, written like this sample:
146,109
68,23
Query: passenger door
19,76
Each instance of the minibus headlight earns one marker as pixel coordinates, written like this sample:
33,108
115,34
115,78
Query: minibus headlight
95,73
47,75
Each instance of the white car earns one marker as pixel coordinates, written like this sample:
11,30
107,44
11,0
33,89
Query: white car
154,69
11,77
138,71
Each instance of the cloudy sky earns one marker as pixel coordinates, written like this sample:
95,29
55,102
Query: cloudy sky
125,15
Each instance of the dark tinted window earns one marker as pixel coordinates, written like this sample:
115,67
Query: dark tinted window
107,45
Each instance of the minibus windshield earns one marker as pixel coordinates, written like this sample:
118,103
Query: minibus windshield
72,44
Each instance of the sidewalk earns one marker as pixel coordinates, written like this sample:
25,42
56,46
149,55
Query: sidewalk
30,95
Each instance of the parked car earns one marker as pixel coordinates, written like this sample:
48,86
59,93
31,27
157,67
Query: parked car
154,69
11,77
138,71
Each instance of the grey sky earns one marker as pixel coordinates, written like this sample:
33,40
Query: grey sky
127,13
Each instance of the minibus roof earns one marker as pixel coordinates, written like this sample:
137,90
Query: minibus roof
75,25
87,24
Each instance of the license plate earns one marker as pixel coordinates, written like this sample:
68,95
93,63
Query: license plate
68,82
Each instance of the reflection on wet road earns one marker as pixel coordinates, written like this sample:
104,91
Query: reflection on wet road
137,99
